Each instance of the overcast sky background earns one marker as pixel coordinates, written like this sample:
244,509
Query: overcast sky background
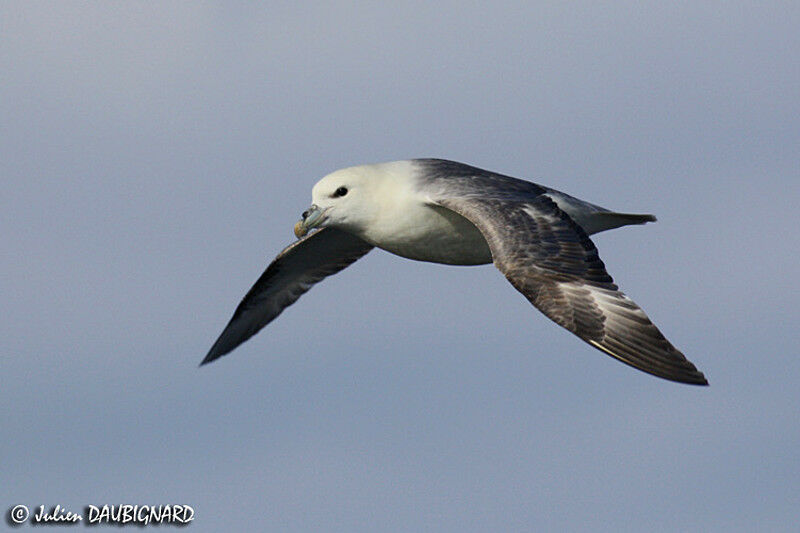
154,157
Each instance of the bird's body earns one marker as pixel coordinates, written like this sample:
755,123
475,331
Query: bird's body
441,237
413,225
447,212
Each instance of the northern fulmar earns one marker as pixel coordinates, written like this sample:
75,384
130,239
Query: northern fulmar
447,212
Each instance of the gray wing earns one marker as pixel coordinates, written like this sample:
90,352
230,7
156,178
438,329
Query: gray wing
293,272
549,259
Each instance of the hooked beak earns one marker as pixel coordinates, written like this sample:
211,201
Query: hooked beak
312,218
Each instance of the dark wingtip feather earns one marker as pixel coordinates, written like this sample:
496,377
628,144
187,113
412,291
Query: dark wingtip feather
699,379
679,369
212,355
218,349
695,378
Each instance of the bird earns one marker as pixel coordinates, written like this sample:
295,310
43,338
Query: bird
443,211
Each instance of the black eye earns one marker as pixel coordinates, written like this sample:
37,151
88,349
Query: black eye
341,191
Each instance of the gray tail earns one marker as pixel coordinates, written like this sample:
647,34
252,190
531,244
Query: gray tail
605,220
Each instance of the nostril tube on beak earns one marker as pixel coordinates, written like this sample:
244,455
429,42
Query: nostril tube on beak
305,214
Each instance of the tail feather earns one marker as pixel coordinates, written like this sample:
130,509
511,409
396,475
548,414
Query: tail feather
593,218
605,220
623,219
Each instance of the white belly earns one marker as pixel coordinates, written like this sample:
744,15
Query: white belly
433,234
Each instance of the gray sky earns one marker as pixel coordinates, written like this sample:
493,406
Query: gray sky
154,157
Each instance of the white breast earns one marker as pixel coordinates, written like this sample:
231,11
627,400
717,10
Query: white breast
430,233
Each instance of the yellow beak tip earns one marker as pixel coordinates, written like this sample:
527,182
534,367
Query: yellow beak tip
299,229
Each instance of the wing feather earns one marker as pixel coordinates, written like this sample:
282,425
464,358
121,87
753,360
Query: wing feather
293,272
551,260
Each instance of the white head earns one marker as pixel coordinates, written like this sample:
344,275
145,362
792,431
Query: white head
352,198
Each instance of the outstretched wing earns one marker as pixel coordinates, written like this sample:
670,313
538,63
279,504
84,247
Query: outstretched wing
549,259
293,272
